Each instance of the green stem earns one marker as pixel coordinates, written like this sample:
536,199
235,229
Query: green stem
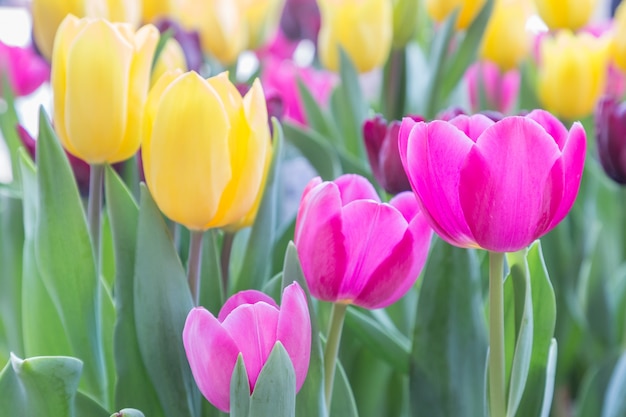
94,208
497,400
337,315
194,264
227,248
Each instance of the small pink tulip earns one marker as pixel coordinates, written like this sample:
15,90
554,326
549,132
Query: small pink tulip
25,69
249,323
494,185
500,89
355,249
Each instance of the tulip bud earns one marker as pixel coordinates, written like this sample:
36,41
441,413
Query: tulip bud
363,29
250,323
300,20
100,78
610,121
24,69
152,10
498,88
381,143
565,14
439,10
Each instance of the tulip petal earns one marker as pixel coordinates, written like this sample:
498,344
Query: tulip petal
253,328
552,126
503,181
212,355
241,298
294,330
98,64
320,241
473,126
355,187
432,155
407,204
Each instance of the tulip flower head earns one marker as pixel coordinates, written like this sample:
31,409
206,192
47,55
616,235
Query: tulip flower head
205,149
250,323
439,10
100,78
500,88
25,70
355,249
610,123
494,185
565,14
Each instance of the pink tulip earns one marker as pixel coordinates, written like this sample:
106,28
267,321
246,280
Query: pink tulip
494,185
355,249
249,323
500,89
25,69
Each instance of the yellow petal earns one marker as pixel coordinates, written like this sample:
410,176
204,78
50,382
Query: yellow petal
188,152
171,57
566,14
439,10
47,17
506,41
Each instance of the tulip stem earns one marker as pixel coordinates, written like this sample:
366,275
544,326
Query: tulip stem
337,315
94,208
497,402
194,264
227,248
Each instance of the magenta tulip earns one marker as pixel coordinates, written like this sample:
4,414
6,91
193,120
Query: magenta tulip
355,249
249,323
500,89
25,70
494,185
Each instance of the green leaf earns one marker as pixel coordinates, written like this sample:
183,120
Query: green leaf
8,124
239,390
67,264
41,386
548,392
316,117
255,269
211,289
321,155
162,301
274,393
592,393
133,386
450,341
342,404
615,397
86,406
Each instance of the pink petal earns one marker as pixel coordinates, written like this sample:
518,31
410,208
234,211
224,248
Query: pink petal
294,330
552,126
432,155
503,181
244,297
355,187
212,355
407,204
473,126
320,242
253,329
509,90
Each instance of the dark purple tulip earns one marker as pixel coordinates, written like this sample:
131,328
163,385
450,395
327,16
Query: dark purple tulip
381,143
189,42
610,121
301,20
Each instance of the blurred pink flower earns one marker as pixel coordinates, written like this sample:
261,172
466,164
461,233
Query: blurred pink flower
500,89
279,47
25,69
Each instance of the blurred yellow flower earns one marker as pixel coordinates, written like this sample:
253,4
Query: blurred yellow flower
619,37
405,19
172,57
506,41
100,77
205,149
152,10
572,73
566,14
262,18
363,28
439,10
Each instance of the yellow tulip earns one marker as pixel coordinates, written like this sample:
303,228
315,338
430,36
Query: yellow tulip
566,14
172,57
363,28
261,17
100,77
154,9
439,10
619,37
572,73
205,149
506,41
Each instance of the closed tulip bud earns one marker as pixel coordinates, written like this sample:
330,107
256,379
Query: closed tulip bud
362,28
172,57
610,124
506,41
300,20
24,69
439,10
355,249
619,38
205,149
494,185
381,143
250,323
499,89
572,73
100,78
566,14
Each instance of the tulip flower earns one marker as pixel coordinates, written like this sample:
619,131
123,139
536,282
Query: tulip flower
381,143
572,73
566,14
300,20
25,70
506,41
151,10
610,127
172,57
100,78
439,10
494,185
499,89
355,249
619,37
250,324
362,28
262,18
205,149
